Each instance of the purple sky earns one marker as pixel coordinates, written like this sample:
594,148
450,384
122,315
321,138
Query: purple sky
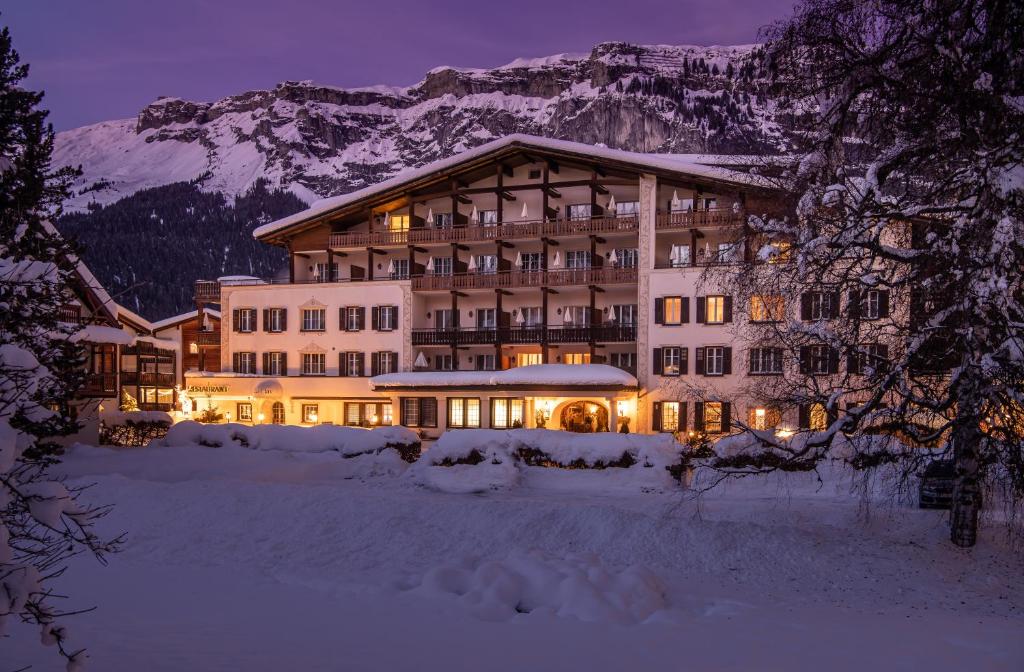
105,59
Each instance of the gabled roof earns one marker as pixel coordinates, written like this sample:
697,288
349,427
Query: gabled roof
679,165
89,289
168,322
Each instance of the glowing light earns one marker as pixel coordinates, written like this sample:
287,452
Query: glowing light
261,417
784,433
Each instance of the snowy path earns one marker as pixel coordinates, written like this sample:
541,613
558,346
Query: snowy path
281,564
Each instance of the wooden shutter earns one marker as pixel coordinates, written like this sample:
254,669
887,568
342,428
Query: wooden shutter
360,361
805,359
374,361
833,305
726,417
853,301
699,356
375,318
727,361
266,363
393,312
684,361
342,322
685,309
727,300
284,319
236,319
804,419
284,363
702,309
883,303
342,363
853,362
657,365
361,318
266,319
656,416
682,415
236,362
805,306
833,360
698,416
659,311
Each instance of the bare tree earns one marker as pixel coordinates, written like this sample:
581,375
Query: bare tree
900,267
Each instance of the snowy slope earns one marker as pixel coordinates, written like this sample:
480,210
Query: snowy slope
321,140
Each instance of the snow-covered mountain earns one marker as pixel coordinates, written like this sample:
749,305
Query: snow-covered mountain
318,140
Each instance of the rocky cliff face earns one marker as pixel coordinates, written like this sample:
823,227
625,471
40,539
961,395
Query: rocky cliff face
320,140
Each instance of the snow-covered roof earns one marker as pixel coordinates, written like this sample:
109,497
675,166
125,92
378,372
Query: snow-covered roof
88,279
97,333
562,375
176,319
683,164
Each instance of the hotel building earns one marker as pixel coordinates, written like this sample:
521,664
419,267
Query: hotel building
431,300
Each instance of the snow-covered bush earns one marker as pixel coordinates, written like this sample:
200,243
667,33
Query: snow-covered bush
135,428
348,441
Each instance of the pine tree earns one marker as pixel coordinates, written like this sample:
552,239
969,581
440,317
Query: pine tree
42,523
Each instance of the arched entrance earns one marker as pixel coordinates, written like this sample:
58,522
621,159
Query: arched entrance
584,417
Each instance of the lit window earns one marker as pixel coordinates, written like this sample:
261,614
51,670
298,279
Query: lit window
671,358
277,413
529,359
463,412
715,311
244,412
767,308
310,413
398,223
817,417
193,348
506,413
713,417
669,416
673,310
576,358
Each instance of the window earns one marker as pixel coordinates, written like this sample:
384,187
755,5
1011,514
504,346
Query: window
384,362
763,419
486,263
444,363
244,412
320,273
673,311
274,364
314,319
533,174
385,318
486,363
576,316
871,305
713,417
398,222
463,413
313,363
577,259
681,204
626,257
368,414
626,315
245,320
726,252
715,311
529,359
623,360
353,318
670,416
578,211
576,358
506,413
442,220
714,361
710,203
532,262
418,411
679,256
777,253
351,364
488,217
398,269
275,319
277,413
767,309
487,318
310,413
440,266
817,417
627,208
765,361
245,362
818,306
531,316
869,359
817,359
671,361
445,319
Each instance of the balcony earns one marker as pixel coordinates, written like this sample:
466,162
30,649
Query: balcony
533,230
699,219
99,385
207,291
520,279
526,335
146,378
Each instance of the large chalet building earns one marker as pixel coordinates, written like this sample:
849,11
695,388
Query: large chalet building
527,282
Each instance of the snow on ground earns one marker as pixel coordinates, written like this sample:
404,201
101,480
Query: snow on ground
244,559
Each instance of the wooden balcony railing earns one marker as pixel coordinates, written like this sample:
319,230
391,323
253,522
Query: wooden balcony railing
525,335
147,378
207,338
478,232
699,218
99,385
207,290
514,279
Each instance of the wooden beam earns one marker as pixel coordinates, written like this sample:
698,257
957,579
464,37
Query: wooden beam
552,166
507,196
